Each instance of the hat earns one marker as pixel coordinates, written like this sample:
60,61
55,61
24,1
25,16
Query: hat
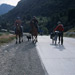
59,22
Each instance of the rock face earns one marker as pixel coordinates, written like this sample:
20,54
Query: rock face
4,8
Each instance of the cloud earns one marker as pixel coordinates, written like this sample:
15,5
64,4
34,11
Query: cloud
11,2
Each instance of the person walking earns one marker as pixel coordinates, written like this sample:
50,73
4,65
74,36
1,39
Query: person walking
60,28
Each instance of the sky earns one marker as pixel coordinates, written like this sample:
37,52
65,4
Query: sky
11,2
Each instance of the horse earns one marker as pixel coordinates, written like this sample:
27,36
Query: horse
19,33
34,32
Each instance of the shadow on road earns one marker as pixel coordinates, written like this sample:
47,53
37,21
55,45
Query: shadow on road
28,46
60,47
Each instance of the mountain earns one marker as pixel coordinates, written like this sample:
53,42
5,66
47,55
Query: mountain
41,7
50,11
4,8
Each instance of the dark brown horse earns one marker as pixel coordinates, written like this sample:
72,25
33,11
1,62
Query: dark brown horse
19,33
34,32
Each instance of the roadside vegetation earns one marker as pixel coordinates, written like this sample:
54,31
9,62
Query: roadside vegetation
6,37
70,33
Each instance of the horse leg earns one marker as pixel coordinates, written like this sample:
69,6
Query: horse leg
16,39
32,37
36,38
19,39
22,38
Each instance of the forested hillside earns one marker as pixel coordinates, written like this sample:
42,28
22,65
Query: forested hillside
49,12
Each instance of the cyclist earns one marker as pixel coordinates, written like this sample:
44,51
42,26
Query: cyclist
60,28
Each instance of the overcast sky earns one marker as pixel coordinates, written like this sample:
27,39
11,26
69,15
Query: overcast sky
11,2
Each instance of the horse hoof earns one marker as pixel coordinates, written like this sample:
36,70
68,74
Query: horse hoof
16,42
36,40
19,42
33,41
22,40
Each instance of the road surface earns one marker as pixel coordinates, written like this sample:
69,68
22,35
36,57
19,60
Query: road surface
44,58
20,59
57,59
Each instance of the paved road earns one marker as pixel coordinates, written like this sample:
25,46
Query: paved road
20,59
44,58
57,59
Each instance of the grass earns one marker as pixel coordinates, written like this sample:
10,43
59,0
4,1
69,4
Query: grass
0,34
70,33
72,30
5,38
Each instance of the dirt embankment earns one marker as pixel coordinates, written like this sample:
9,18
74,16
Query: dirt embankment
5,38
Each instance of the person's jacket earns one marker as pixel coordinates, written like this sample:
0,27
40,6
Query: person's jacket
18,22
59,28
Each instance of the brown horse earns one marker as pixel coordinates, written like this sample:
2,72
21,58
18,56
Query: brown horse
34,32
19,33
